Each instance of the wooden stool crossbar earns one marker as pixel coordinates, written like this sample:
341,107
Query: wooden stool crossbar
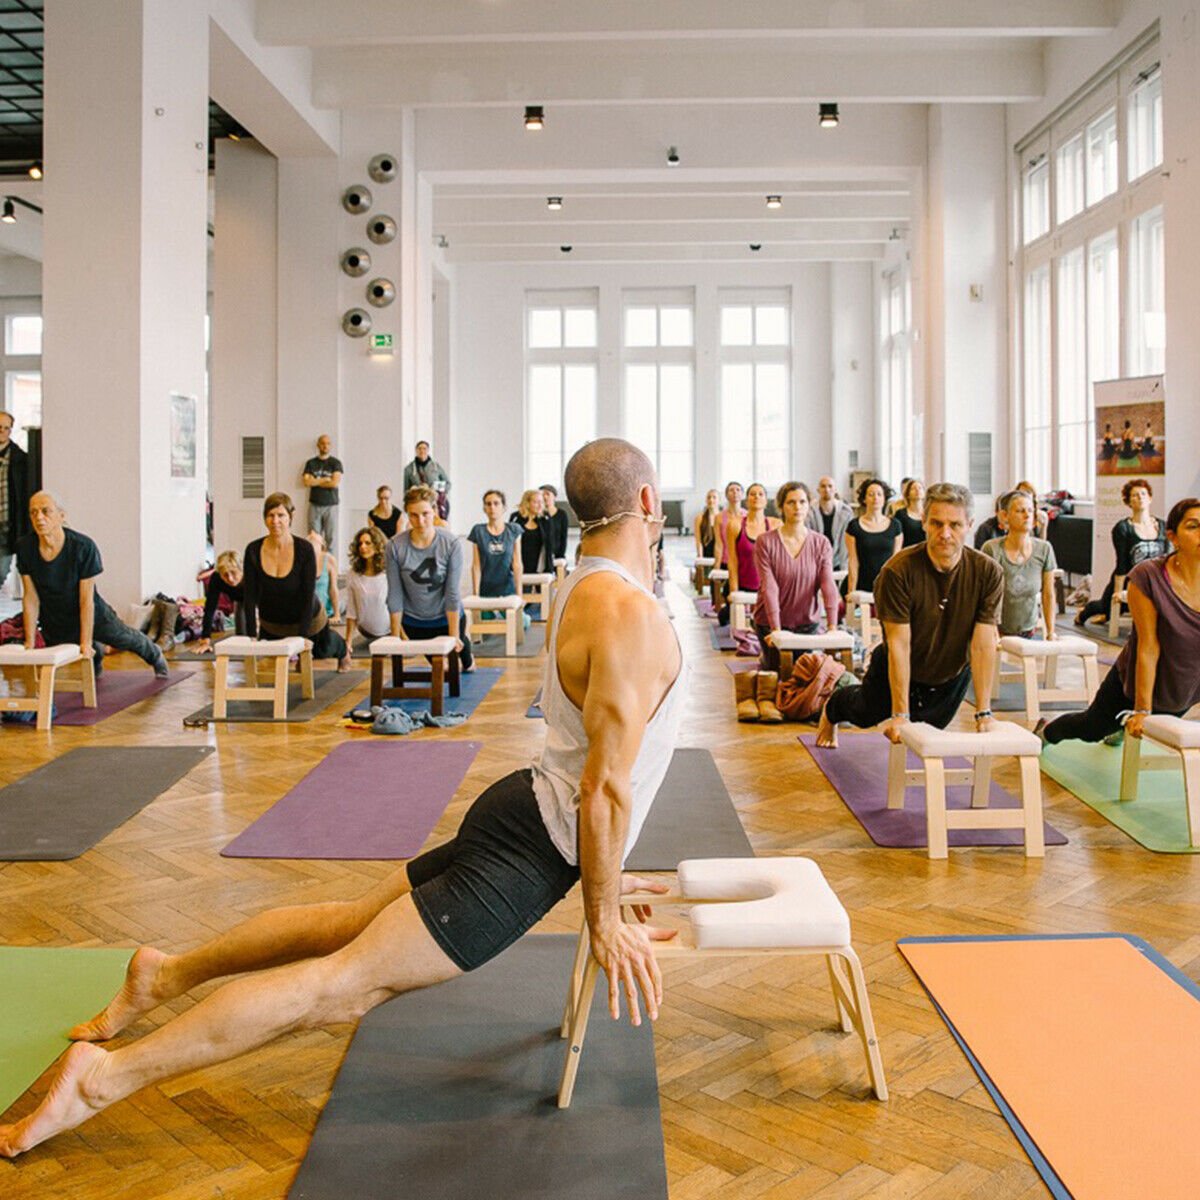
1171,733
273,654
40,669
443,658
507,619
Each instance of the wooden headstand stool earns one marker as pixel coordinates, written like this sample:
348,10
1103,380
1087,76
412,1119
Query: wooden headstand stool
40,669
1030,654
742,906
740,603
700,569
443,658
256,655
836,641
868,627
1172,733
718,577
538,588
509,622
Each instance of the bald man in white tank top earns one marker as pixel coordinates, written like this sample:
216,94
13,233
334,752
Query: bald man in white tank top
613,700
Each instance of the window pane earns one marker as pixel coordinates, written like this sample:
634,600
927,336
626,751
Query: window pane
737,421
737,325
1102,157
23,334
675,326
545,328
1104,314
1073,401
544,432
771,325
579,327
1037,201
771,423
1068,192
675,426
1145,126
23,398
1037,350
1148,317
641,407
641,327
545,466
579,406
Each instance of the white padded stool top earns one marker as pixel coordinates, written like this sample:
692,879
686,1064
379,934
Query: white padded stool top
1175,732
743,597
704,562
719,574
861,598
838,576
774,903
487,603
246,647
393,647
1004,739
835,639
1031,648
57,656
537,577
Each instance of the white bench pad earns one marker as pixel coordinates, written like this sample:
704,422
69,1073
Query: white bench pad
1004,739
246,647
861,598
392,647
537,577
703,562
835,639
1175,732
743,597
487,603
1033,648
57,656
718,574
774,903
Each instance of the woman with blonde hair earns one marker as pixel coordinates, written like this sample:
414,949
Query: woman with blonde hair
366,588
530,518
225,582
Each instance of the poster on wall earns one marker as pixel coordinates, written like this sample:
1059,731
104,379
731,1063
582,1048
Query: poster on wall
1131,443
183,436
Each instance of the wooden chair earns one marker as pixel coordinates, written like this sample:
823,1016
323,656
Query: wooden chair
40,670
276,655
1172,733
509,620
442,655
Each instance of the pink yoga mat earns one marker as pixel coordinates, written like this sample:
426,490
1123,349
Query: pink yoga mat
115,690
364,800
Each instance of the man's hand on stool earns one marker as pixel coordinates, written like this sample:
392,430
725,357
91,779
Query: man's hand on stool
892,729
627,956
641,883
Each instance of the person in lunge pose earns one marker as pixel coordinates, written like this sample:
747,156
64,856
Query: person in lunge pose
613,697
939,602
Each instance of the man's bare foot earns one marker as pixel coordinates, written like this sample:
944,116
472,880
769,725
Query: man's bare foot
139,994
827,733
72,1098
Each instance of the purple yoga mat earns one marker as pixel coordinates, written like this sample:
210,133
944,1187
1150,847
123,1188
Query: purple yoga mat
115,690
370,800
722,637
858,773
704,606
739,666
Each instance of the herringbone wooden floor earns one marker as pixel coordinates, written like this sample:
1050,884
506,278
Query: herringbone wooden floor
760,1097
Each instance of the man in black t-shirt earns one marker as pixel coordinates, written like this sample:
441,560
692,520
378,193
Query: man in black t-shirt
322,475
59,568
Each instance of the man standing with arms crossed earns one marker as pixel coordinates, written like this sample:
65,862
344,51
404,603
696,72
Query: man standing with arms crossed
322,475
614,694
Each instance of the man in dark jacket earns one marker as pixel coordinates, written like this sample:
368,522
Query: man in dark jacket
14,495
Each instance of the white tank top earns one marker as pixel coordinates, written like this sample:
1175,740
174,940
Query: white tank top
559,768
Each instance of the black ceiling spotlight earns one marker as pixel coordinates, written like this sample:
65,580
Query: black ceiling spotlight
554,203
35,170
828,116
673,156
9,216
535,117
566,249
774,201
756,246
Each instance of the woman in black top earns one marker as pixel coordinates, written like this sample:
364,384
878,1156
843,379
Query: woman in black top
384,516
530,516
280,584
1135,538
226,580
912,515
557,525
872,538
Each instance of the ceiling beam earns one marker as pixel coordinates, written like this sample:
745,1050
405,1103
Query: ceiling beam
666,254
711,233
419,22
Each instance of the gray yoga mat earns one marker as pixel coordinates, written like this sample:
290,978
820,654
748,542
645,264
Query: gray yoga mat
328,686
691,817
64,808
449,1092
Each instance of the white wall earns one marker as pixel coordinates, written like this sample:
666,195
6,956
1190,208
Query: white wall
854,367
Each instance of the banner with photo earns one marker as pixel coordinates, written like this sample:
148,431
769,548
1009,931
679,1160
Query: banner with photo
1131,443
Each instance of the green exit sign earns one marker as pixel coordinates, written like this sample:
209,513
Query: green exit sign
383,343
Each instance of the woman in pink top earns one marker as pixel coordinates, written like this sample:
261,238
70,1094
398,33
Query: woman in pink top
733,508
795,572
740,535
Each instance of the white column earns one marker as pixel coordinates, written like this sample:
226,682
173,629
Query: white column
851,292
126,151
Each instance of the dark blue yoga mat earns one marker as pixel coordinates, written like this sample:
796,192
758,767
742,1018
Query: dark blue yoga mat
473,688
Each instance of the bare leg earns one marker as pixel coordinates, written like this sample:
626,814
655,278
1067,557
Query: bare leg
269,939
394,954
827,732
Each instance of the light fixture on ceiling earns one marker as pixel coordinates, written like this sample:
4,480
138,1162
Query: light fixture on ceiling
756,246
554,203
673,156
535,117
9,216
234,137
774,201
35,170
566,249
828,117
441,241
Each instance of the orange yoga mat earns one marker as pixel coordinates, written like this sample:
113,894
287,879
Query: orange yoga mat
1093,1046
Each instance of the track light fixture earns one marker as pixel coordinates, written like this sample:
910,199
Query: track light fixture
756,246
566,249
554,203
828,117
9,216
774,201
535,117
673,156
35,170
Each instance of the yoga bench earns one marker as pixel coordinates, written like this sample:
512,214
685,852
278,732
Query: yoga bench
442,654
538,588
1172,733
1030,654
506,619
836,641
742,906
700,569
40,668
718,579
934,746
868,627
253,654
740,603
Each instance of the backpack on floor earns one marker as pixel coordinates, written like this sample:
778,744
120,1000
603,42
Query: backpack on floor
813,678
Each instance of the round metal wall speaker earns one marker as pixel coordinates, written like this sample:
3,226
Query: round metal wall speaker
356,322
357,199
356,261
381,292
381,230
382,168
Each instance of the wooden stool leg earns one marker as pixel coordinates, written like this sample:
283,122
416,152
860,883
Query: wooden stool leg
839,986
577,1032
581,953
281,688
1031,802
397,670
1191,790
437,685
45,708
511,617
1033,708
935,807
455,681
897,774
1051,676
306,674
865,1023
377,665
220,686
1091,677
87,677
981,788
1131,762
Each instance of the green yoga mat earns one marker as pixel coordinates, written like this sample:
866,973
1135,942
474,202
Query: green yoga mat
1157,819
43,993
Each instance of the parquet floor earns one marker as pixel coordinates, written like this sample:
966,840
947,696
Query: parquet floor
760,1097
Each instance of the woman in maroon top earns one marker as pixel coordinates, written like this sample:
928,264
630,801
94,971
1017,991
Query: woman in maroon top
740,536
1159,668
795,574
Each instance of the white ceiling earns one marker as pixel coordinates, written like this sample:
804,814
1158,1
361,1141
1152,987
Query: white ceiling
734,86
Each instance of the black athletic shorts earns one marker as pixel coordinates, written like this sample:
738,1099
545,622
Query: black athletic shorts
498,876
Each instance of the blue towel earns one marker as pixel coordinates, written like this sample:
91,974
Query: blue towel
397,721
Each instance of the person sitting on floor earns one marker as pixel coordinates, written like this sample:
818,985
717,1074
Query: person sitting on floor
425,573
939,602
280,585
1028,564
366,588
1158,669
385,516
495,556
59,568
225,583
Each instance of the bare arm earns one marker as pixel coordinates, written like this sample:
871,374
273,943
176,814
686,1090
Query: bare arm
1049,609
1145,621
30,608
899,652
731,535
851,564
309,481
87,614
983,669
475,569
334,599
696,535
898,543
